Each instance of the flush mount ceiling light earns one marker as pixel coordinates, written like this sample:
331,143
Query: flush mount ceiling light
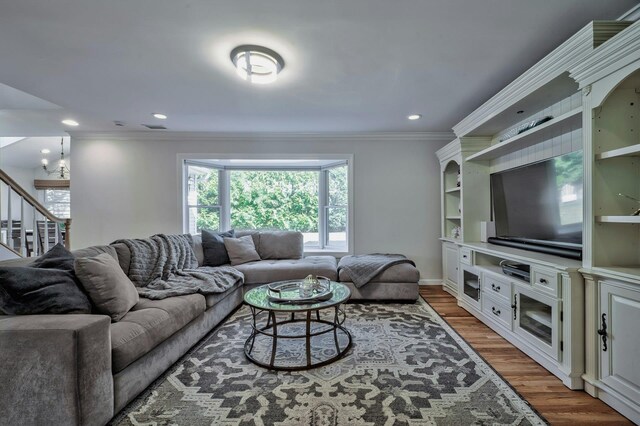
44,151
159,116
414,116
257,64
68,122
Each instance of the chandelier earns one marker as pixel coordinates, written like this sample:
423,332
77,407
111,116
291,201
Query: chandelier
62,170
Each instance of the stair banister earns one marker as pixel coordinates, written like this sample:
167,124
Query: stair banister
38,208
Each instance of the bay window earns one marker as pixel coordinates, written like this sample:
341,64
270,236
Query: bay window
307,195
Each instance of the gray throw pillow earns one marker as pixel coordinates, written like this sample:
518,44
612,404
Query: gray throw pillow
109,288
215,253
241,250
45,286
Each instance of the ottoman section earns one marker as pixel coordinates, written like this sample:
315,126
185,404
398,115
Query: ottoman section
396,283
268,271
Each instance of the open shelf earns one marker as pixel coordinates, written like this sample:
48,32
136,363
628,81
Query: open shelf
627,151
450,190
530,137
618,219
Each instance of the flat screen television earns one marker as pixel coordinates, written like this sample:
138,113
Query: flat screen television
539,206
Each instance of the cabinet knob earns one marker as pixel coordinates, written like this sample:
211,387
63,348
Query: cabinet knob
543,281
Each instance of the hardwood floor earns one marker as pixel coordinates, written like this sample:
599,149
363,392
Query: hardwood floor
557,403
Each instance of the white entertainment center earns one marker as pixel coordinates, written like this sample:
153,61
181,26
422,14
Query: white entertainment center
578,319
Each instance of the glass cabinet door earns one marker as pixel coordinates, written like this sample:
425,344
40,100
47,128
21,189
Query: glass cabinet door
470,285
536,319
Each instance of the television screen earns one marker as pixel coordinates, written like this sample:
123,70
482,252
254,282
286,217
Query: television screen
540,202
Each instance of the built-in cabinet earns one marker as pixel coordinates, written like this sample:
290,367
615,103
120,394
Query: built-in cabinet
610,83
542,315
578,319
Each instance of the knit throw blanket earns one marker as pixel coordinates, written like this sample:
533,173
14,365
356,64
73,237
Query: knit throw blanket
166,265
362,268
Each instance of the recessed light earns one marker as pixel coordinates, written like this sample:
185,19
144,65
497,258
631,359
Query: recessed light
159,116
257,64
414,116
69,122
44,151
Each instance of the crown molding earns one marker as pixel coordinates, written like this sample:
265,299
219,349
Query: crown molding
448,150
157,135
559,61
632,14
612,55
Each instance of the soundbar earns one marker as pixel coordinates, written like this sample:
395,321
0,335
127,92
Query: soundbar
556,251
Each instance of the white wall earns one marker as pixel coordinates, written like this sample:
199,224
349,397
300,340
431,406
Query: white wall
126,185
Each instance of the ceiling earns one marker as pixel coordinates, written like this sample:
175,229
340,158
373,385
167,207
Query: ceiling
25,153
351,66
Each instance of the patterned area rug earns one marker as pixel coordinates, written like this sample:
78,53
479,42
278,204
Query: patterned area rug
406,366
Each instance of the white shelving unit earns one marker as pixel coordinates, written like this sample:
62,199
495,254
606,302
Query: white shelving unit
550,327
530,137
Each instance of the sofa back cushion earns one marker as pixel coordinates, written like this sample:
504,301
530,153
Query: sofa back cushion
197,248
281,245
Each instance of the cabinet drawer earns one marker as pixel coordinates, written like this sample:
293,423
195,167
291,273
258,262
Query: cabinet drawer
545,280
497,310
497,286
465,256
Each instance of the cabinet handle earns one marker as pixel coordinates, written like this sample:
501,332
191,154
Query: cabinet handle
515,306
543,281
495,287
464,256
603,332
495,311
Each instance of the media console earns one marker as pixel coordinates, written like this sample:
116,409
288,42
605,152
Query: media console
533,300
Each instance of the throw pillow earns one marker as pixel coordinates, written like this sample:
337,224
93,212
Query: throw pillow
58,257
215,252
241,250
46,286
109,288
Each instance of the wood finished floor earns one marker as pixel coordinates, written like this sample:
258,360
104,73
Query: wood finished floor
557,403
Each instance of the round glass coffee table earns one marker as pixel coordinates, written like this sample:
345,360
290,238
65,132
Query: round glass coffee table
298,324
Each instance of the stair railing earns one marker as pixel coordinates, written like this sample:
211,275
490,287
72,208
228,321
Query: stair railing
15,232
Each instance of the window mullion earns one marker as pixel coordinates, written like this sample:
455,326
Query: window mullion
323,198
224,195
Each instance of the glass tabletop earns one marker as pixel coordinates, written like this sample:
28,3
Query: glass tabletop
259,298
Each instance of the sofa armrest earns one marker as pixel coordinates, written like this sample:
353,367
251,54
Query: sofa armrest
55,369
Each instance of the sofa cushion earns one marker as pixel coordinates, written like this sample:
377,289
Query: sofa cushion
196,241
241,250
268,271
401,273
214,250
109,288
215,298
281,245
124,256
148,324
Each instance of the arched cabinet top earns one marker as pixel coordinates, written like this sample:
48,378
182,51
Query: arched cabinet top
609,65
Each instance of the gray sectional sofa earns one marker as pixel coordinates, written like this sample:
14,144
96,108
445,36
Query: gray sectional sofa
83,369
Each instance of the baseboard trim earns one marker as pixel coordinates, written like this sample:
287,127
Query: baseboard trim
430,281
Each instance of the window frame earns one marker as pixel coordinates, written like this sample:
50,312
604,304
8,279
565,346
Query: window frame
184,160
